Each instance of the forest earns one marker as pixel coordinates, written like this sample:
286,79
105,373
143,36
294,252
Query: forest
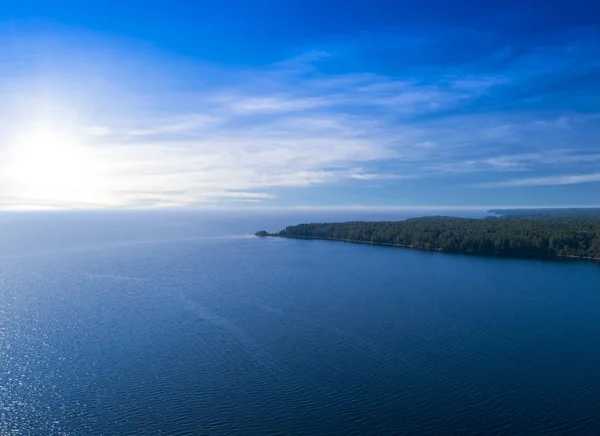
512,237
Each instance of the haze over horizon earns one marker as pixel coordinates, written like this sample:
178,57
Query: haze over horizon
358,104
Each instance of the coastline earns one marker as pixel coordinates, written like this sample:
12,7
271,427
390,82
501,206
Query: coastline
555,257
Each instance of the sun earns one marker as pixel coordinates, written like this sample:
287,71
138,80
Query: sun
53,165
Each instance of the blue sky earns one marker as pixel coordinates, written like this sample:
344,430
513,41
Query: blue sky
269,103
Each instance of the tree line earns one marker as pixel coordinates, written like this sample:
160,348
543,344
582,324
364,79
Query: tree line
515,237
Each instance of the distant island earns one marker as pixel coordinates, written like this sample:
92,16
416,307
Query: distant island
516,233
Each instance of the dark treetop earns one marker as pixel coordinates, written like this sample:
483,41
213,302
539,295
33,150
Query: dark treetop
514,237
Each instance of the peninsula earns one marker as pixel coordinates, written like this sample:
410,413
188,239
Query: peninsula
513,235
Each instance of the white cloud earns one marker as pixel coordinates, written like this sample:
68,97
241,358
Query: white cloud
257,132
159,131
571,179
98,130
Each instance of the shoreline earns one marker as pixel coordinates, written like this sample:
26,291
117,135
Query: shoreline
549,257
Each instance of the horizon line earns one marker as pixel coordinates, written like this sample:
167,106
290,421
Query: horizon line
214,208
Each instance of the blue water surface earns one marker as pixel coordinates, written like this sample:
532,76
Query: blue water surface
182,323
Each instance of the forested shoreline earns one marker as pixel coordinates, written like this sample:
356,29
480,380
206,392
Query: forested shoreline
514,237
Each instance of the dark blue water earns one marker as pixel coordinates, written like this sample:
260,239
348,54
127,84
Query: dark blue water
182,324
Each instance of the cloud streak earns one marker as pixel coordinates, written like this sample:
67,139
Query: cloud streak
571,179
164,132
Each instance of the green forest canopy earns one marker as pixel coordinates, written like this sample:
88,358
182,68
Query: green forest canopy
520,236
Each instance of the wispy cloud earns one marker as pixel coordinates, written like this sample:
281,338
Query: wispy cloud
161,131
571,179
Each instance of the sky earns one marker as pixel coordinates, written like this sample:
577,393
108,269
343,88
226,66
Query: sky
330,103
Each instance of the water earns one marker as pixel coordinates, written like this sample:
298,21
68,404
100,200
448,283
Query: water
182,324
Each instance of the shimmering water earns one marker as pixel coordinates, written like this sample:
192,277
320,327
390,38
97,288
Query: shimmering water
181,324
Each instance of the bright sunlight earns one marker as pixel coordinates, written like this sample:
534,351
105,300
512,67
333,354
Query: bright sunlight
50,163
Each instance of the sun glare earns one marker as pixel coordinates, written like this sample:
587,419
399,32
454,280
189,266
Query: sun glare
49,164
